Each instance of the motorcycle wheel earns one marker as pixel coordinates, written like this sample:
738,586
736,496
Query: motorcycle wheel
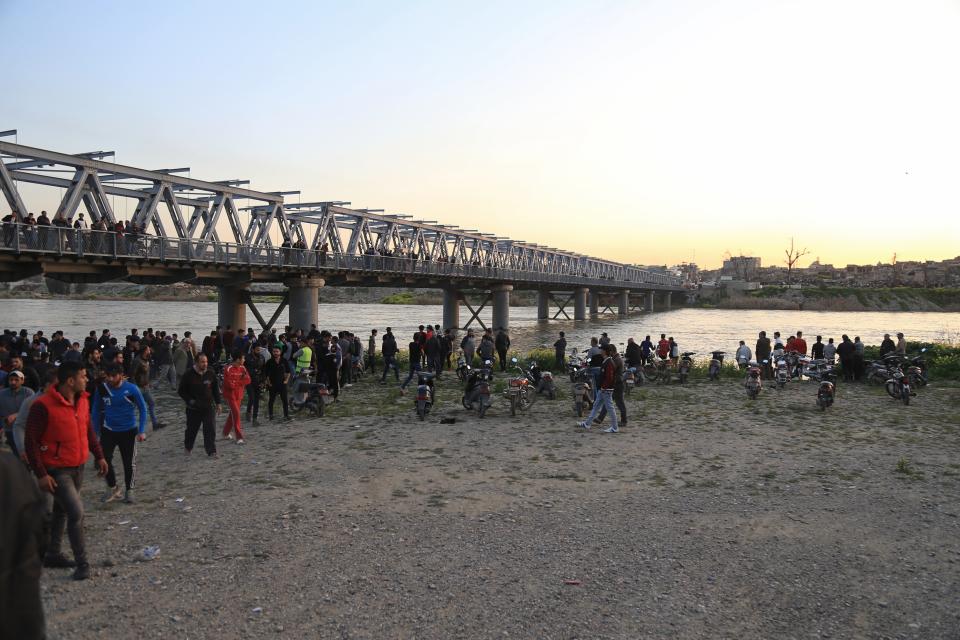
892,390
551,394
460,375
752,393
525,401
683,378
482,410
320,408
463,401
650,372
781,384
421,409
513,405
578,408
916,381
665,378
877,378
905,395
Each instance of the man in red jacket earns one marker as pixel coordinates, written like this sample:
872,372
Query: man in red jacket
59,439
604,397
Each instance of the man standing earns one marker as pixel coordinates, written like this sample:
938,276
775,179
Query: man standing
140,371
254,364
415,352
646,348
432,350
59,440
560,351
114,405
201,393
372,351
390,350
164,357
276,374
235,381
830,351
11,399
816,350
799,344
502,343
887,346
762,352
663,347
901,345
743,355
846,352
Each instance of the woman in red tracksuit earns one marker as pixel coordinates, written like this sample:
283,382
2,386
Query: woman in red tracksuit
235,380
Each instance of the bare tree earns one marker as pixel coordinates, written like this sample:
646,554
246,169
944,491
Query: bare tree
792,256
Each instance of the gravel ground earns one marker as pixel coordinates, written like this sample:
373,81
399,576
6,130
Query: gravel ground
709,516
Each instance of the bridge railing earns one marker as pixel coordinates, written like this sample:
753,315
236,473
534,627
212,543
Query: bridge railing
64,241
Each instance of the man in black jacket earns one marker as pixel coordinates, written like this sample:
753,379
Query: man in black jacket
389,350
200,389
846,350
502,343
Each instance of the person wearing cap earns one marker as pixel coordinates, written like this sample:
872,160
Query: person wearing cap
901,345
116,404
59,440
30,377
20,426
11,399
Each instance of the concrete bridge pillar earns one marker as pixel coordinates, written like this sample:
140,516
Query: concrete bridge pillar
580,303
543,305
451,309
232,306
594,303
501,305
623,308
668,299
649,301
303,302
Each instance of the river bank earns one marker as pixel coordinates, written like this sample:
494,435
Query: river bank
728,518
834,299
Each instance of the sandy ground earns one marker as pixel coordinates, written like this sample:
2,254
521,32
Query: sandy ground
709,516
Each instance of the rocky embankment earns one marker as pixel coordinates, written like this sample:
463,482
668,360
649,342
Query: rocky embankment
837,299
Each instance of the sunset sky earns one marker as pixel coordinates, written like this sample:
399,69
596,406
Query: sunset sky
647,132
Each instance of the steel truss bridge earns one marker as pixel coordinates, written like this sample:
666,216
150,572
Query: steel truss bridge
320,243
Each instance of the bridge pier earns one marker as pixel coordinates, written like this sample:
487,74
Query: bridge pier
501,305
451,309
594,303
543,305
623,308
580,303
232,306
649,301
304,302
668,300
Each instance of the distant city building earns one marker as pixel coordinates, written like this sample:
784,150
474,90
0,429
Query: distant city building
741,267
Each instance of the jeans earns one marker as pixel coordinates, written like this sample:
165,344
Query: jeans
68,508
279,390
413,372
126,441
168,374
151,405
603,400
502,354
253,399
390,362
621,405
195,419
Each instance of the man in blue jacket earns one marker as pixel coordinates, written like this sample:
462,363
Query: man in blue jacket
115,403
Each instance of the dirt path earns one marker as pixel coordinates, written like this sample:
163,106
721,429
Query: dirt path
708,516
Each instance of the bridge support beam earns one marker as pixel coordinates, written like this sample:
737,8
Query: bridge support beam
232,306
304,302
668,299
580,303
623,308
501,305
451,309
543,305
594,303
649,301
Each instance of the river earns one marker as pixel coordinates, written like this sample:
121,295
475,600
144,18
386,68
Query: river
700,330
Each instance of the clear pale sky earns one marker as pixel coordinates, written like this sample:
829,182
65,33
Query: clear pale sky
648,132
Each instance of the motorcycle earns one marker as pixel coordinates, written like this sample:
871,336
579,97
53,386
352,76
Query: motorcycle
632,376
754,383
425,393
686,363
309,395
518,391
541,380
463,369
827,389
476,393
898,387
782,373
582,391
917,370
716,364
575,363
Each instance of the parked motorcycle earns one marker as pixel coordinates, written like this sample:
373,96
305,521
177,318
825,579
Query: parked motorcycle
425,393
518,391
716,364
632,376
686,363
575,363
782,372
541,380
899,386
309,395
917,370
582,391
754,382
476,392
463,369
827,389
